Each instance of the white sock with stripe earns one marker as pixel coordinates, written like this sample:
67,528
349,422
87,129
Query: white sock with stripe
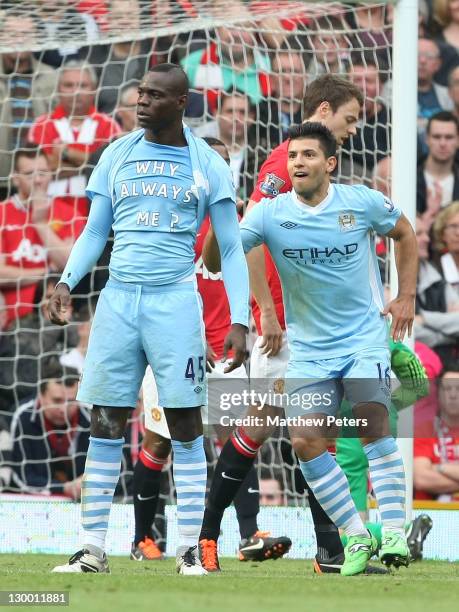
190,476
387,477
101,475
328,483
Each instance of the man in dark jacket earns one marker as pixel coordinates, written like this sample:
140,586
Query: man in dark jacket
438,173
50,435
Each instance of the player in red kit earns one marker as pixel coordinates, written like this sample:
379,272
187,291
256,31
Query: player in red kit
156,444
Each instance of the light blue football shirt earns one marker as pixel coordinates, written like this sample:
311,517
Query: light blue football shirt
155,208
326,259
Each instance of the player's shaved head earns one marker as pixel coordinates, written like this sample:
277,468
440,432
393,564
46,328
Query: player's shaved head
176,77
162,100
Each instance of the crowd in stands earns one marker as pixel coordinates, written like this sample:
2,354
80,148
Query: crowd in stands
60,107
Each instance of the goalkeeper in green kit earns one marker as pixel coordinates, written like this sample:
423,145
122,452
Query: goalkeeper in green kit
414,385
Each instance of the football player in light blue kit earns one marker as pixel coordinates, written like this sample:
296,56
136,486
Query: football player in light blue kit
321,237
154,187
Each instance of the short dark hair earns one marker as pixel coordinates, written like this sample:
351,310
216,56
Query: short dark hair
181,76
449,365
28,151
52,369
367,58
332,89
317,131
445,117
226,94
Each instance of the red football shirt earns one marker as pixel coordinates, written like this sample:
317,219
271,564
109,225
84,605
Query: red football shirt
439,449
95,130
217,317
273,179
22,247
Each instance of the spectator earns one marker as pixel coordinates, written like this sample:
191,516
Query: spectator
232,126
330,47
72,132
36,232
437,307
76,356
50,435
271,493
438,174
453,90
372,30
57,21
446,17
287,89
446,234
232,62
372,141
436,454
26,90
432,97
126,112
382,180
120,62
24,342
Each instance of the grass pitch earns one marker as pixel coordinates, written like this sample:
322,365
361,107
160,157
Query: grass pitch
283,585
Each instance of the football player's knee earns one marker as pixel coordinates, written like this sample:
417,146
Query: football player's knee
156,444
108,422
373,420
185,424
308,448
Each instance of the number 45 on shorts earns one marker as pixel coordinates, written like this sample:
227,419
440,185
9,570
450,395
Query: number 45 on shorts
195,369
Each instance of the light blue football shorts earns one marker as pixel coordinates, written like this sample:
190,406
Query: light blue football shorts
319,386
136,325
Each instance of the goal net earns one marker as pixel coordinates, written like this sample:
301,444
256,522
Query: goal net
248,63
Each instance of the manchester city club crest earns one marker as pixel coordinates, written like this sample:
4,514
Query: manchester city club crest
346,221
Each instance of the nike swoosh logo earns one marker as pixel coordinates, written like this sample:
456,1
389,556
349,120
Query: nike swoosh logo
140,498
230,477
256,546
250,490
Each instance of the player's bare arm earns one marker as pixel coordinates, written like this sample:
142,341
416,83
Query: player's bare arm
401,308
270,326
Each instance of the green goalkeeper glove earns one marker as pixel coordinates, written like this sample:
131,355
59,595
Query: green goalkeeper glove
411,374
